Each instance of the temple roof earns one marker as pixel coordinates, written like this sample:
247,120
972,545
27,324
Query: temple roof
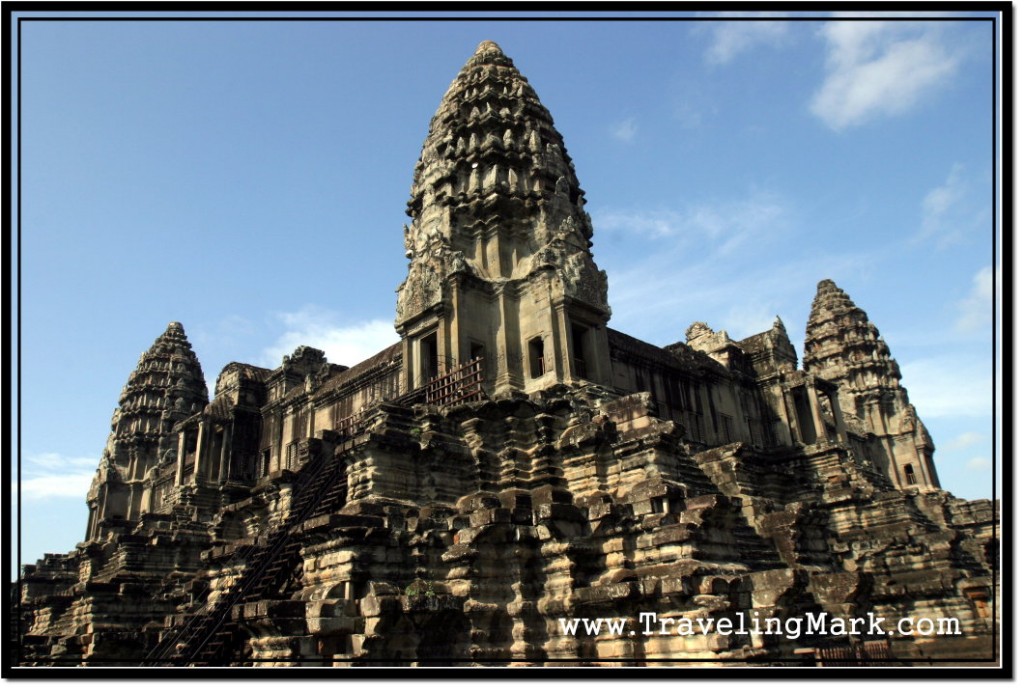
832,308
674,356
488,47
843,345
831,299
167,382
491,137
389,356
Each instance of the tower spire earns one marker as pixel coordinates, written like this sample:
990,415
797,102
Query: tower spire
842,344
497,219
488,47
166,386
844,347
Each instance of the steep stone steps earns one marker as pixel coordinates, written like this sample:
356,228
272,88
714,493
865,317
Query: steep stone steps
267,566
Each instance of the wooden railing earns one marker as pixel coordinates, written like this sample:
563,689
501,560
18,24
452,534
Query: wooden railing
855,654
350,426
464,383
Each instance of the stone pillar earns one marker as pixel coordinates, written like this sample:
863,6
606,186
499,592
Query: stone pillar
409,358
222,471
90,526
837,413
277,442
453,328
179,475
790,416
927,469
201,465
509,350
561,344
877,421
481,251
713,438
814,403
146,504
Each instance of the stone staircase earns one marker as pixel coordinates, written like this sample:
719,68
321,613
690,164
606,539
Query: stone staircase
208,635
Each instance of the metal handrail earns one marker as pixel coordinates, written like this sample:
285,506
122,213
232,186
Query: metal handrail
304,502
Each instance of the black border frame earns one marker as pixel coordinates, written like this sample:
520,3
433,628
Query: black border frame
15,13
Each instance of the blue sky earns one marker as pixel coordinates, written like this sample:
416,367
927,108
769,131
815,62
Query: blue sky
249,180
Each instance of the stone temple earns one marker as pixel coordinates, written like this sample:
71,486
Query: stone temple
512,465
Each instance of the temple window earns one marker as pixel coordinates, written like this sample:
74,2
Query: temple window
808,435
476,352
428,357
536,350
908,473
579,350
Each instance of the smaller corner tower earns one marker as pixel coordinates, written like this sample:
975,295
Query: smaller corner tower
166,387
846,349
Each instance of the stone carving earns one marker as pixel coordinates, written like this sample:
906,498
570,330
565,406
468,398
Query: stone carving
844,347
698,330
584,281
910,423
427,273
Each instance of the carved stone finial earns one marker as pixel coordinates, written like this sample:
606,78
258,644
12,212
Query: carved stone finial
698,330
827,286
488,47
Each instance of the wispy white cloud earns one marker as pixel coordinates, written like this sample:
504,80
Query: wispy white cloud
342,341
705,261
976,309
729,39
660,223
948,386
723,225
980,463
658,296
947,214
730,224
624,130
880,68
937,202
51,475
964,441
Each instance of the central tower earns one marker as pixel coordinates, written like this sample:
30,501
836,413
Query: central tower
499,244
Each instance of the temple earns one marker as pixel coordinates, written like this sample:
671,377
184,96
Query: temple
512,465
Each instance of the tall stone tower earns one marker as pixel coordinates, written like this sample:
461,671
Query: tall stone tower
845,348
166,387
499,244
